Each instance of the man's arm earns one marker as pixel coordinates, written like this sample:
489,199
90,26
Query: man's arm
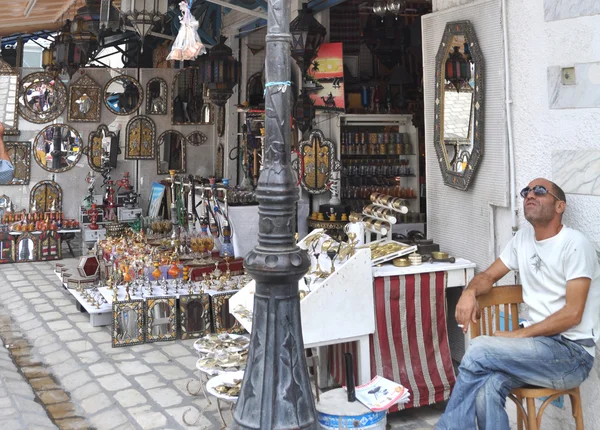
3,153
568,316
482,283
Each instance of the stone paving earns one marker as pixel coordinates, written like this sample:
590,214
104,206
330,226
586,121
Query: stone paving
68,376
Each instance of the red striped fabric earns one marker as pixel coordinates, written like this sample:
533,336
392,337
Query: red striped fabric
410,343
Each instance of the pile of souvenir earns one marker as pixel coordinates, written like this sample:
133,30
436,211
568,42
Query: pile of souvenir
222,353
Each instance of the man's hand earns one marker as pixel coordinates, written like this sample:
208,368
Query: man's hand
466,309
1,129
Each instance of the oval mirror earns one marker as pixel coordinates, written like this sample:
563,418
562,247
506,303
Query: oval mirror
459,101
57,148
42,97
196,138
123,95
171,152
156,97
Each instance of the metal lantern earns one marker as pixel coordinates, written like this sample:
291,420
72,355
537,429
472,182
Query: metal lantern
143,14
220,71
304,112
66,55
47,58
307,36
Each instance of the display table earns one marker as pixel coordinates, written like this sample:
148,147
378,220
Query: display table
410,344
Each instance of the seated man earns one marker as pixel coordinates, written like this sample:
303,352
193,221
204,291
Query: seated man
561,286
7,170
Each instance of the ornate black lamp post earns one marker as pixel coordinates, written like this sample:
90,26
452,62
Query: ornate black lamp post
276,391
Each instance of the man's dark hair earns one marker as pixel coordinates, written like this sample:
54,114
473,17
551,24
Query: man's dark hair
559,192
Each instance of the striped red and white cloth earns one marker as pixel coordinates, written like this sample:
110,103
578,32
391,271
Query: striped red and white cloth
410,343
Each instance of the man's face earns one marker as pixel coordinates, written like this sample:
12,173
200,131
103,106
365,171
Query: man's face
539,209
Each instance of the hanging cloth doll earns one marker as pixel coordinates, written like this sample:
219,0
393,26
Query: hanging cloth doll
187,45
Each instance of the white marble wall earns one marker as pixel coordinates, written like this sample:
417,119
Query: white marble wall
564,9
577,172
584,94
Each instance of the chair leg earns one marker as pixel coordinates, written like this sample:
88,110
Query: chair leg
531,414
575,397
519,414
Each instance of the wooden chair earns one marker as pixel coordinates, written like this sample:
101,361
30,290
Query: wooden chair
506,299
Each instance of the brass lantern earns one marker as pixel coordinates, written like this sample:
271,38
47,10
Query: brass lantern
220,71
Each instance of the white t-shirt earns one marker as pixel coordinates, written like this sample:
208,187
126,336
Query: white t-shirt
545,266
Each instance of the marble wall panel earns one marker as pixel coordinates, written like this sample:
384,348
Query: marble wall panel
577,172
565,9
585,93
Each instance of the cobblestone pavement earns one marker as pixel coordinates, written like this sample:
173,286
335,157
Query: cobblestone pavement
68,376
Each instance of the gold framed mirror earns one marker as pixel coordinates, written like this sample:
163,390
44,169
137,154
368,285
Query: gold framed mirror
223,320
99,142
459,104
319,161
189,101
7,247
123,95
197,138
45,196
139,140
194,315
42,97
57,148
20,157
156,97
27,248
170,147
9,79
160,319
84,100
49,246
128,323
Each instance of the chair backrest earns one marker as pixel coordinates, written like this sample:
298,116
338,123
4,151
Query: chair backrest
504,299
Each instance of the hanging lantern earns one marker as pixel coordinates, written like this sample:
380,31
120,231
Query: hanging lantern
220,71
304,112
307,36
66,55
47,58
143,14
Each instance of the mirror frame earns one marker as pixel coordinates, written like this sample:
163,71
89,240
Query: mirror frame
206,103
117,309
7,70
163,85
6,237
94,152
183,153
184,301
84,85
63,169
140,90
22,148
42,193
459,180
61,98
218,301
138,121
21,238
199,141
317,139
53,237
150,303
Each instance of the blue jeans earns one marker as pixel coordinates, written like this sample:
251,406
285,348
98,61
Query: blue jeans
492,366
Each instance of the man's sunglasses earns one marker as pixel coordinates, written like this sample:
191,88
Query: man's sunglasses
538,190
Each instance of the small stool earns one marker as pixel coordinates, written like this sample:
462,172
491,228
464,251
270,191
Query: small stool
67,238
335,412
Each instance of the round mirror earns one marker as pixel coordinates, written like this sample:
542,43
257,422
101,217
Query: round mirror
171,152
57,148
123,95
42,97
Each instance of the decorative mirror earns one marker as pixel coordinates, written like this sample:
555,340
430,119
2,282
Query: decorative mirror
99,142
45,196
5,204
255,91
160,320
9,81
220,166
26,248
197,138
459,96
318,163
123,95
7,247
224,321
171,152
188,106
156,97
194,315
42,97
57,148
49,246
128,323
84,100
20,157
220,121
139,144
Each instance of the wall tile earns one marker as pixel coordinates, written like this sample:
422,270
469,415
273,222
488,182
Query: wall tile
577,172
564,9
584,94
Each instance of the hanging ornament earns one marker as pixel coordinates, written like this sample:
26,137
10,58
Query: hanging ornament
187,45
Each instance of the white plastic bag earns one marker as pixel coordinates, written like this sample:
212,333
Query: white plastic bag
187,45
